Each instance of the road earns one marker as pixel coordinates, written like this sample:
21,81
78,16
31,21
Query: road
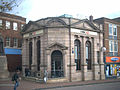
105,86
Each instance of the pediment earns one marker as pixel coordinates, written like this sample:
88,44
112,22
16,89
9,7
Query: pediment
30,26
56,45
85,25
55,22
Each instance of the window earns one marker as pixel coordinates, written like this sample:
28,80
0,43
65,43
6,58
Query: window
7,41
77,50
22,26
15,26
15,40
98,57
7,25
113,47
113,31
38,55
0,23
88,55
110,29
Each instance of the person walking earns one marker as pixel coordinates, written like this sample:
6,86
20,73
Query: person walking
16,79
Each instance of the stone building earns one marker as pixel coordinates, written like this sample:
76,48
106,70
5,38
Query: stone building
10,28
68,49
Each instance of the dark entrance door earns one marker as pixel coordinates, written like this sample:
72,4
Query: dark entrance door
57,64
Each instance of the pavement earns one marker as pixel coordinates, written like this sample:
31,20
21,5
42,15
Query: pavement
29,85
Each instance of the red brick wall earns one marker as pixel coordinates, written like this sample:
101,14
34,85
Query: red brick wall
118,36
106,36
10,32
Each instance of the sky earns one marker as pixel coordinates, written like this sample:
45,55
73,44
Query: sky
36,9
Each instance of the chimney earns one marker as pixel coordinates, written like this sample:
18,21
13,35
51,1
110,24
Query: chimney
91,18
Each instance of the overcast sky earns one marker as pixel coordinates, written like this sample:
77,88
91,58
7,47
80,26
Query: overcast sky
37,9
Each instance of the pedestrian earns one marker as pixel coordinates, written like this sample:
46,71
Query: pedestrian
16,79
45,76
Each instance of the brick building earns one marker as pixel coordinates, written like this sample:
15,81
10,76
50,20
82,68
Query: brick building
69,49
112,44
10,28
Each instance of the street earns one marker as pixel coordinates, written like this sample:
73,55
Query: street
105,86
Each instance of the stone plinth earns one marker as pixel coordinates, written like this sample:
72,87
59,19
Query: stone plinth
3,68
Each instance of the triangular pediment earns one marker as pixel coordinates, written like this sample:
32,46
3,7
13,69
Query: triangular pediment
56,45
30,26
85,25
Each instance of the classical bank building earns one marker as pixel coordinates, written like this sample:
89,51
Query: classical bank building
67,48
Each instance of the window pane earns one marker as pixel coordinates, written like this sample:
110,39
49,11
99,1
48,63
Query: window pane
86,52
14,26
75,52
110,46
88,55
110,29
115,30
7,41
0,23
15,41
115,46
7,25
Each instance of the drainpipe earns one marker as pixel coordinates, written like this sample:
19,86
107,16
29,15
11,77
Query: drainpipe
69,26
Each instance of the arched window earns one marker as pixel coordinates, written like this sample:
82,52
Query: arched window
30,55
38,55
88,55
77,53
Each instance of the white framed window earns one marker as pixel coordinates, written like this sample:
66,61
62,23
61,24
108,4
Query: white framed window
0,23
15,40
15,27
7,41
110,29
113,46
7,24
115,30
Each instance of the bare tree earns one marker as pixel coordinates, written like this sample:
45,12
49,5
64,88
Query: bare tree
8,5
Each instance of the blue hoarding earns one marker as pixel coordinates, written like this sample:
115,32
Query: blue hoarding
12,51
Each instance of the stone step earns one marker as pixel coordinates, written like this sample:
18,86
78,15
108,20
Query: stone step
34,79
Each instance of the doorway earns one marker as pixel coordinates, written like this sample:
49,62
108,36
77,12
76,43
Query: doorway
57,64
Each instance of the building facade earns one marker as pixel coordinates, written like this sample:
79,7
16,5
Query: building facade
10,28
67,48
112,44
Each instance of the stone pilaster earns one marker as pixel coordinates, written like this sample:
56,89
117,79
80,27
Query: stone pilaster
84,65
34,55
96,74
25,55
48,62
102,66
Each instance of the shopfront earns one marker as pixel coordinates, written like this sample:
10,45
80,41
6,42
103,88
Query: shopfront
112,66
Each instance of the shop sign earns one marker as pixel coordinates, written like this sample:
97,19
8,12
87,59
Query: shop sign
112,59
33,33
83,32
